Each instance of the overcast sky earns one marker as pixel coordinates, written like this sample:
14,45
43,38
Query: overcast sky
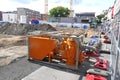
79,5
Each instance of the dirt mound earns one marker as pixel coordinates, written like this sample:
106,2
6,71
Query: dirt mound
73,31
23,29
12,41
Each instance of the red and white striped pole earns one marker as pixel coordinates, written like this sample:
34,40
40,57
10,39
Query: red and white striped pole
112,14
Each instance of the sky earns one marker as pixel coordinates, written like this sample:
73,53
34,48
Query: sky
79,6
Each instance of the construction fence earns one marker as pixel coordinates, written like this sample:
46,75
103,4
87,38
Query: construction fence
65,19
113,31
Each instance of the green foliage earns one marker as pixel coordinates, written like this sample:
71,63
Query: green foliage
59,12
99,17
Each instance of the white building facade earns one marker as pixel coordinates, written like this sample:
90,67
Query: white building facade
22,15
9,17
117,9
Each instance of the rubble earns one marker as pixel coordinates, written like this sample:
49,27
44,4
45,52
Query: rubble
71,30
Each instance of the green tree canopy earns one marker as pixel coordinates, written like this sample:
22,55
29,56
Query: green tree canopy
59,12
99,17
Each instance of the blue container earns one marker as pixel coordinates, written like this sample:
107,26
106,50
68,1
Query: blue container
84,26
34,22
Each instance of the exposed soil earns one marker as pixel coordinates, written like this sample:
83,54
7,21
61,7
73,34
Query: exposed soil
23,29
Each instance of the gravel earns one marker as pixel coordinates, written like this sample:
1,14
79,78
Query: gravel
18,69
21,68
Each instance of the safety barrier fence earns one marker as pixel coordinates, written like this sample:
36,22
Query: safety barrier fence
114,35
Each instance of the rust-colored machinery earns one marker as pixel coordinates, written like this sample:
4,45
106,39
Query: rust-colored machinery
50,48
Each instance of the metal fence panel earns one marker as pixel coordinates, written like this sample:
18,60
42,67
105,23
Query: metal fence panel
115,52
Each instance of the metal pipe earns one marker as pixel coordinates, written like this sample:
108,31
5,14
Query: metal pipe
28,45
77,51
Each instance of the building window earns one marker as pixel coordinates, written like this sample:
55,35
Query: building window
8,17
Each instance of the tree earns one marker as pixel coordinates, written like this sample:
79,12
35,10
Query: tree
100,17
59,12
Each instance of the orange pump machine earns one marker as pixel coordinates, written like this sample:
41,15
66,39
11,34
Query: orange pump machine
62,49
